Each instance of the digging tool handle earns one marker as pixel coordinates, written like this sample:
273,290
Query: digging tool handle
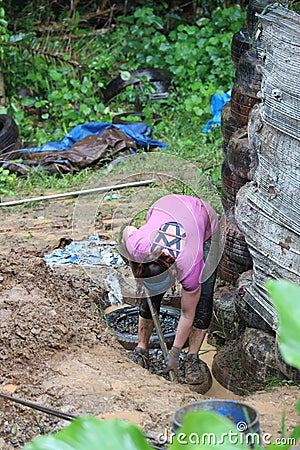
160,335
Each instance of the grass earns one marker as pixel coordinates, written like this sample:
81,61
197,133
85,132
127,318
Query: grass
39,182
279,380
186,143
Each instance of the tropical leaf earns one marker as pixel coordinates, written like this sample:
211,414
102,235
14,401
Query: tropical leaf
89,433
286,298
207,430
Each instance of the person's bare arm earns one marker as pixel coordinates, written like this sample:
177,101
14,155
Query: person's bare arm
123,250
189,302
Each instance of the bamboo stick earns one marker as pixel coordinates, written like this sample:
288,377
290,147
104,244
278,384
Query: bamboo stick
160,335
75,193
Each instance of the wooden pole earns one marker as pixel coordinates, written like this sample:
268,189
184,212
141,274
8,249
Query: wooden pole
160,334
75,193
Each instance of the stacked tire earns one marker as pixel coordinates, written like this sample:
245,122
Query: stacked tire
268,208
255,8
236,258
240,156
265,152
9,134
240,43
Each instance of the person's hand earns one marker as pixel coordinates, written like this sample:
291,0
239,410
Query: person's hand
173,359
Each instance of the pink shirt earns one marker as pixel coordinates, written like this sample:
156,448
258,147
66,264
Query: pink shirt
199,221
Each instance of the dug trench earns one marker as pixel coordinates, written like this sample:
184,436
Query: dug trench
57,350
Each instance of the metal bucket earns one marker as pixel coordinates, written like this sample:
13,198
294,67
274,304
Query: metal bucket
245,417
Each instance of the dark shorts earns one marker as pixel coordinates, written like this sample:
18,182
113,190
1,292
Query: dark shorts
204,307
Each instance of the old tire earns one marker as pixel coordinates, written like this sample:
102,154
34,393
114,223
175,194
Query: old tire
240,43
288,371
130,340
241,104
254,7
9,133
231,184
228,124
224,323
227,369
248,315
249,73
236,258
258,354
159,78
228,270
241,156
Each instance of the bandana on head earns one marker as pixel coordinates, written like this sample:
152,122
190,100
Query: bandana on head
160,286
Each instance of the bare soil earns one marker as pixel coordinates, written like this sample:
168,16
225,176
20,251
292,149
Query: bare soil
56,349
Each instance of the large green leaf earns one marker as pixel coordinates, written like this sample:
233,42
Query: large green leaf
207,430
275,446
286,298
89,433
296,433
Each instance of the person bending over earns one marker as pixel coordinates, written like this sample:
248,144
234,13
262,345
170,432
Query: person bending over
174,243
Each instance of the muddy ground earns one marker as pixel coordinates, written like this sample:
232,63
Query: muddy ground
56,349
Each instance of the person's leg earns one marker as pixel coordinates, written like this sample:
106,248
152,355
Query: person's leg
203,316
144,332
204,309
196,371
196,339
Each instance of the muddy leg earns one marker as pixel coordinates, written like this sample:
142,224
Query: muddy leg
144,332
196,339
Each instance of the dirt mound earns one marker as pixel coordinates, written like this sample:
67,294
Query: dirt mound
42,312
56,351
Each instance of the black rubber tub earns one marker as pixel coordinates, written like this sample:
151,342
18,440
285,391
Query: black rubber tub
124,323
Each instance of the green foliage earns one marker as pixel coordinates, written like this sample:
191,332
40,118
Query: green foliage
207,430
295,6
197,55
6,182
62,97
286,296
41,182
67,73
3,30
89,433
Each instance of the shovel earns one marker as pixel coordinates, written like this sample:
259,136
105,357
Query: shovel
160,335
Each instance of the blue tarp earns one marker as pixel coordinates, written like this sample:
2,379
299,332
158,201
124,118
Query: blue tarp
138,132
216,106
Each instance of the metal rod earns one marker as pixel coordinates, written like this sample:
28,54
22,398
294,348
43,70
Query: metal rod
45,409
53,412
160,335
75,193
